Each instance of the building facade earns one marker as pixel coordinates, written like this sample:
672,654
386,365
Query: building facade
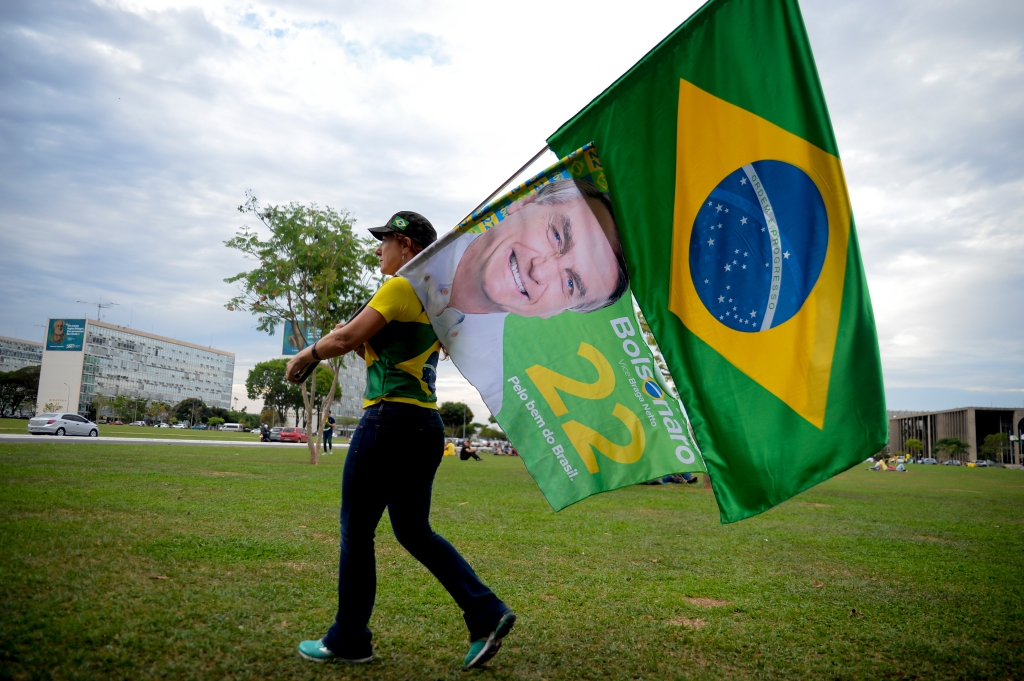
351,385
83,357
16,354
968,424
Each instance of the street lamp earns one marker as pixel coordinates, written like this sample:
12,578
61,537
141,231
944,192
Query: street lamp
68,403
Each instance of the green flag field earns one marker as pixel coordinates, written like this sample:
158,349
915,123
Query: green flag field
134,562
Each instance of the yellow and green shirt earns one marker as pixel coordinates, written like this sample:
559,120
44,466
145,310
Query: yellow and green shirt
401,360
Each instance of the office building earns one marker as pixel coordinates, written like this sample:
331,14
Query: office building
83,357
351,385
968,424
16,354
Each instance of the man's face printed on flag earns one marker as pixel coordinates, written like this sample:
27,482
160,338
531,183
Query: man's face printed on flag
541,260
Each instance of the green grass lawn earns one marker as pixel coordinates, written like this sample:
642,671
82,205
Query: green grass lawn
212,562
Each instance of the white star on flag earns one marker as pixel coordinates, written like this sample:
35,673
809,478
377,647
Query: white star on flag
753,313
743,220
786,255
728,268
711,242
705,281
721,299
743,181
744,267
719,208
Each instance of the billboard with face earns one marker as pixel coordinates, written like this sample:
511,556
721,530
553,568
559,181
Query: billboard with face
288,343
65,334
530,297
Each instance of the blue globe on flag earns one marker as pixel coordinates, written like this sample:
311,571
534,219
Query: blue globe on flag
758,245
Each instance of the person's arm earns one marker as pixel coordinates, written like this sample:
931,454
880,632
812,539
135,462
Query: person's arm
344,338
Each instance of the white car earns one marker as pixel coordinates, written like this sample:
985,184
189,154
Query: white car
164,425
137,423
180,425
62,424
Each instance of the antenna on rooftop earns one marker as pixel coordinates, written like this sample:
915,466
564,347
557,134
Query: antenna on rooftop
99,307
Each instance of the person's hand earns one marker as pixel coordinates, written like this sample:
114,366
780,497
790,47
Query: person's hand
296,364
339,325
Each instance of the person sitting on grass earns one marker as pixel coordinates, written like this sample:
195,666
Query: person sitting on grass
468,452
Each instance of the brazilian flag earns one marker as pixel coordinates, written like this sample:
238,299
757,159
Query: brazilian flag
739,237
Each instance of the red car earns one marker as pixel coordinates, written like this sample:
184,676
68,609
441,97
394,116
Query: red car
294,435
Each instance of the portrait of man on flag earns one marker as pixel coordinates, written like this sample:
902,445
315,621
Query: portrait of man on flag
552,249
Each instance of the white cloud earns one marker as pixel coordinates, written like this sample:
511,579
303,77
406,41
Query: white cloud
129,131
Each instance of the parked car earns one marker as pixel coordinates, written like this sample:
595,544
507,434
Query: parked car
984,463
275,434
116,423
232,428
930,462
164,425
199,426
62,424
181,426
137,423
293,435
952,462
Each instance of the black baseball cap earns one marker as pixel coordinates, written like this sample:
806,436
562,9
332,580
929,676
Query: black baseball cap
410,224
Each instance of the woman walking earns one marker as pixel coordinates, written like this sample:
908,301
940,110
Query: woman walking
400,432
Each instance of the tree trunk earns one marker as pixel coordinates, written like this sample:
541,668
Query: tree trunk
308,396
325,408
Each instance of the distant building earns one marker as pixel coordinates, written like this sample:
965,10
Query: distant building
83,357
351,385
969,424
16,354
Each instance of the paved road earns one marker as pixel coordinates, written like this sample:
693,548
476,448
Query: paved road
147,441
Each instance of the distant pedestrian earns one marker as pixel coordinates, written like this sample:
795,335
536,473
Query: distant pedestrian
329,434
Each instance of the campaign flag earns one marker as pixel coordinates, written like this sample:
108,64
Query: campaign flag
530,296
738,233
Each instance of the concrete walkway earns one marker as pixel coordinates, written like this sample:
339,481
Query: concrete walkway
36,439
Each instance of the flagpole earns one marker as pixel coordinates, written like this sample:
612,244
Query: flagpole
448,237
512,177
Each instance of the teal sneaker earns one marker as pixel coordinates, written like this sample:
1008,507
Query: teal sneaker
482,650
318,652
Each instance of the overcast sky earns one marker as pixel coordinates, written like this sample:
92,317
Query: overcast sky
130,131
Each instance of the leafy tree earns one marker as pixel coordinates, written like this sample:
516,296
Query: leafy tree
914,446
492,434
159,411
454,414
191,409
244,418
215,422
313,270
993,446
128,408
951,447
267,381
18,386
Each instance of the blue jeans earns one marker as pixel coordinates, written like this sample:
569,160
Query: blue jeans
329,439
391,461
